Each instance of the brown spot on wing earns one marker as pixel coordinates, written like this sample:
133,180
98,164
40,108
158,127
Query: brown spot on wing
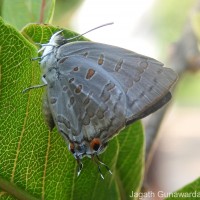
110,86
76,69
63,60
71,80
72,100
65,88
90,73
86,101
85,54
61,119
144,64
53,100
78,89
119,65
101,59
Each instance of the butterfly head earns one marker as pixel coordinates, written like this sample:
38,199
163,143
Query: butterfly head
87,148
56,40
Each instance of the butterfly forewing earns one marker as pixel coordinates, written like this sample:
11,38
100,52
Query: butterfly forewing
142,80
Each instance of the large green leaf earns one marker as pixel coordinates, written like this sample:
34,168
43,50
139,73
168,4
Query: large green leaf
36,163
20,12
190,191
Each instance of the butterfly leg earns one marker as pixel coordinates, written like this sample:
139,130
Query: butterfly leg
98,161
99,169
103,164
80,167
36,58
36,86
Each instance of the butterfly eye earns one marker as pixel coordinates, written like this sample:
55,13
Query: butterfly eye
95,144
71,148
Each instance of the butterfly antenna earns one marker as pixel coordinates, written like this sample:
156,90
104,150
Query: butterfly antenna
90,31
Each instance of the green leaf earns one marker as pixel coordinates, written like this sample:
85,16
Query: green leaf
20,12
36,163
190,191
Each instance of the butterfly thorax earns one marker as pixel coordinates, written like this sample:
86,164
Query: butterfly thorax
49,51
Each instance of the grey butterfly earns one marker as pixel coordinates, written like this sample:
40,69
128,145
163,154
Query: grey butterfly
94,90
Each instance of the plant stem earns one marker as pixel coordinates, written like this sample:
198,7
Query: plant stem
42,11
12,189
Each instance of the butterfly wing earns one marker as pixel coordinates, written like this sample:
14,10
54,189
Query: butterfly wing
101,88
144,80
85,102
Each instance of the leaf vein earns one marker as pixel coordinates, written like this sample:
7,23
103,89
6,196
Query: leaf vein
20,140
45,165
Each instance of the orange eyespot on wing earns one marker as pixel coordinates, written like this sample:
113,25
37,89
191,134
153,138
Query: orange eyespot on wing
72,147
95,144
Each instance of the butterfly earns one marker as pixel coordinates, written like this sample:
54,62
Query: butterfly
94,90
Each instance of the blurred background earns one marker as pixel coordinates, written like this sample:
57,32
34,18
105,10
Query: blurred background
151,28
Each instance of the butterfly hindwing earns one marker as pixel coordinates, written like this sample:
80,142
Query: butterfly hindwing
85,101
